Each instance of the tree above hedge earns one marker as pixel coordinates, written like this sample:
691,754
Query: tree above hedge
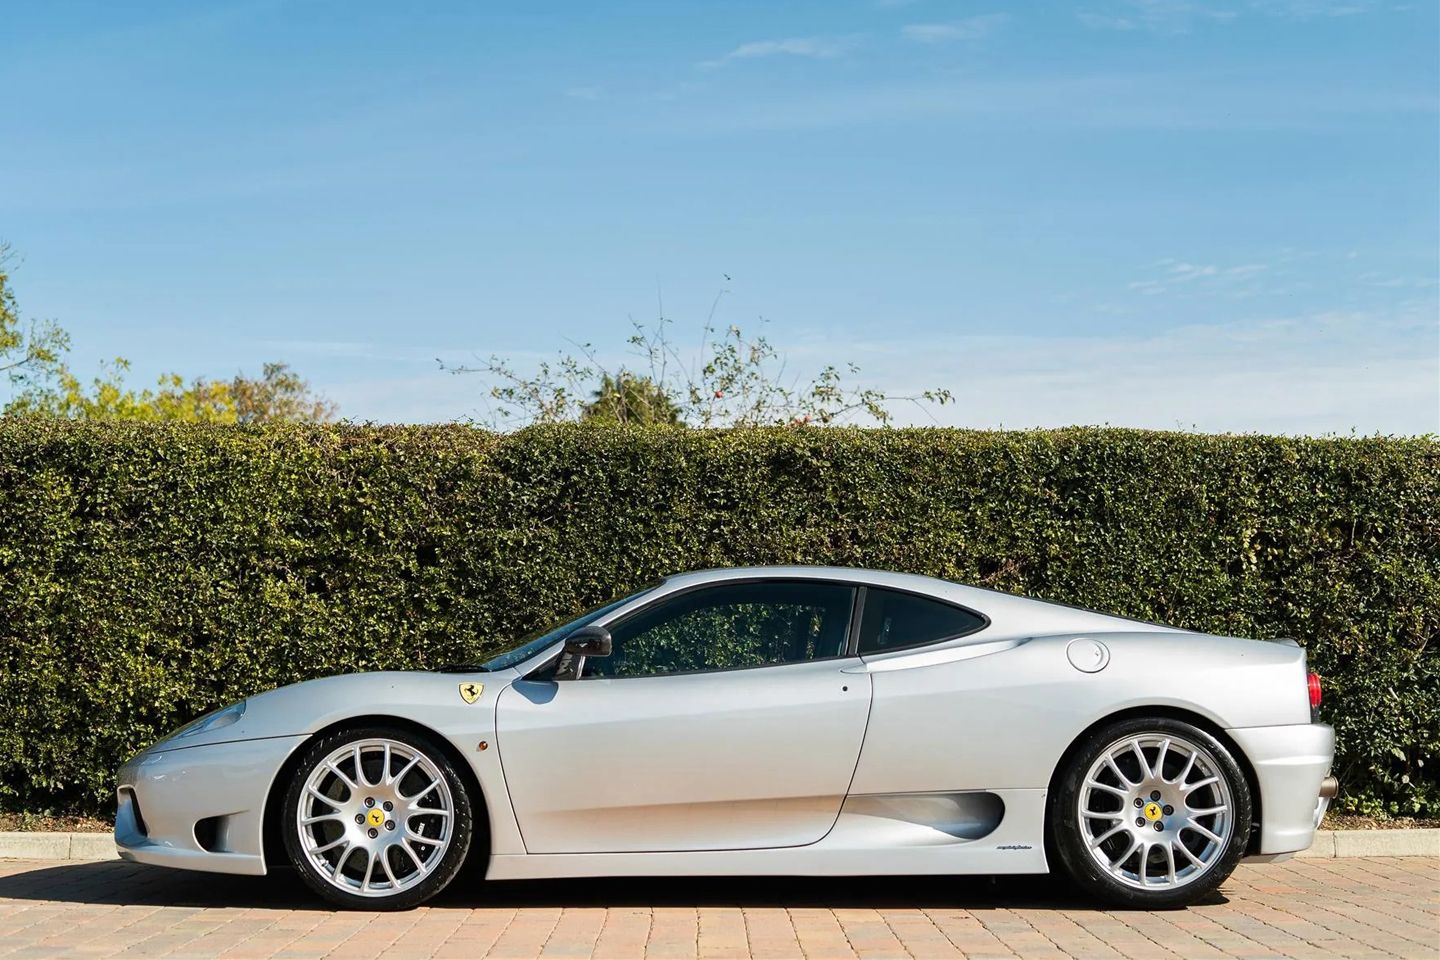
33,361
733,379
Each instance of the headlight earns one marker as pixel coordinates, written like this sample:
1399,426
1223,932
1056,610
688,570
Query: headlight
214,720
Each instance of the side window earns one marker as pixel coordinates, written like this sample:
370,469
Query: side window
731,626
895,620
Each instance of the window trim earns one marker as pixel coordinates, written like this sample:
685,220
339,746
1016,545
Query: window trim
984,623
857,618
852,635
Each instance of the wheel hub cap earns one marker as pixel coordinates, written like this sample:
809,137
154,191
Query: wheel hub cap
375,817
1155,811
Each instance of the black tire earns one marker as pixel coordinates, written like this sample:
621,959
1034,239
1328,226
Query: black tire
441,872
1072,840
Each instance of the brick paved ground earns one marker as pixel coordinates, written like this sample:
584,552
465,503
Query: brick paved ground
1308,908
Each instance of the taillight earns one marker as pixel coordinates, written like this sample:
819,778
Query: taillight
1313,682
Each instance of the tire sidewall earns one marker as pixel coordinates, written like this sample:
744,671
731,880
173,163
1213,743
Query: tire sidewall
451,862
1068,834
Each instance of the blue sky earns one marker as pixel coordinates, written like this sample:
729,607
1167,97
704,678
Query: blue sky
1162,213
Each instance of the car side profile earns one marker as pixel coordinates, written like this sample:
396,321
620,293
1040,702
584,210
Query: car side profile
764,721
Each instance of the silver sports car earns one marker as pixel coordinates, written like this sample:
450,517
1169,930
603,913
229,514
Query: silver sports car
783,720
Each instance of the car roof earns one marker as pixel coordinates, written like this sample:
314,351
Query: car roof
887,578
1008,610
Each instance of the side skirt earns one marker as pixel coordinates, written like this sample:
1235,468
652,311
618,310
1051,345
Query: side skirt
894,834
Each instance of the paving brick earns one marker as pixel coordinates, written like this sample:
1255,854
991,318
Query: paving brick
1363,907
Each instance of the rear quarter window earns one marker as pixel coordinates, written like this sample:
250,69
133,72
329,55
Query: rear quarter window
894,621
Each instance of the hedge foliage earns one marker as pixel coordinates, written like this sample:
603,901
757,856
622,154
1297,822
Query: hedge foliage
150,572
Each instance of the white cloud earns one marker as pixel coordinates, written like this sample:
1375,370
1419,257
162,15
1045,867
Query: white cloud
1327,372
433,397
1160,16
970,28
1376,278
818,48
1170,274
1314,9
1177,16
1133,101
1106,21
584,93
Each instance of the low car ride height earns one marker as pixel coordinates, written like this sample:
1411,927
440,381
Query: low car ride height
786,720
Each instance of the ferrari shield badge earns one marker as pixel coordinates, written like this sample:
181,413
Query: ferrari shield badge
470,691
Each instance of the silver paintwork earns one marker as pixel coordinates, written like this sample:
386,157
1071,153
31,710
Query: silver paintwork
862,764
178,786
688,762
1290,762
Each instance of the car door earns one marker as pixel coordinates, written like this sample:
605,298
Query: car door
722,720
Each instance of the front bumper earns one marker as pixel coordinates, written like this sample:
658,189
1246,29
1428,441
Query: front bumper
201,807
1290,764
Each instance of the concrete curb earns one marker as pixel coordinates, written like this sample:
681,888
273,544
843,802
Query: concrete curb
1374,843
34,845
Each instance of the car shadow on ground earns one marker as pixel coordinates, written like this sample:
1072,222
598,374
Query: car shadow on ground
115,883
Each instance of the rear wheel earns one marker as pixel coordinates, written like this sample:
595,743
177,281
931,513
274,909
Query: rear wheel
376,818
1151,813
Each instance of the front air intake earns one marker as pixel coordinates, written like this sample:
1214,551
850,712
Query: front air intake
128,798
213,834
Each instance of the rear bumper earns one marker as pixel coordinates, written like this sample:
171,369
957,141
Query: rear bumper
164,793
1291,764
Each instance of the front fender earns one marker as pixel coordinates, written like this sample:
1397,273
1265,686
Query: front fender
433,701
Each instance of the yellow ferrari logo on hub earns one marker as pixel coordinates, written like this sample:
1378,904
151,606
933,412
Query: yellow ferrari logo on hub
375,817
470,692
1152,811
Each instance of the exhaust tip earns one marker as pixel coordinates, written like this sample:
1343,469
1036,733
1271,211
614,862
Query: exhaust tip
1329,788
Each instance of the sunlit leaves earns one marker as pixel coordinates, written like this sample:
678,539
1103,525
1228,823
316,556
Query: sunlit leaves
150,572
733,379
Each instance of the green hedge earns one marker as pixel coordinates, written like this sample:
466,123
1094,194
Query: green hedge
149,573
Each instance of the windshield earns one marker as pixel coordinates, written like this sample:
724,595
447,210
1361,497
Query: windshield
538,641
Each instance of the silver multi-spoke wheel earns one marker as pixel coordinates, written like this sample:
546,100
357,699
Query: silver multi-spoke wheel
1156,811
375,817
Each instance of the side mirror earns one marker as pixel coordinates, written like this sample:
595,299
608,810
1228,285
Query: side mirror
588,641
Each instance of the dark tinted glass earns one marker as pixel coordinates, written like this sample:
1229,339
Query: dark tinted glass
729,627
894,620
539,640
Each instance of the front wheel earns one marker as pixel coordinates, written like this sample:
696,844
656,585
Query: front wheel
1151,813
376,818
